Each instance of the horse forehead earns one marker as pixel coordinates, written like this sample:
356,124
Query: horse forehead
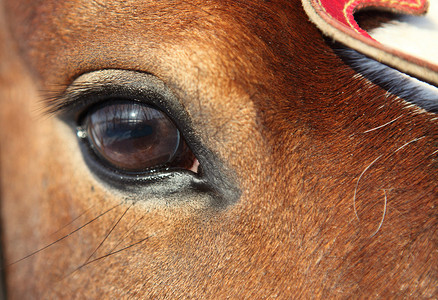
77,36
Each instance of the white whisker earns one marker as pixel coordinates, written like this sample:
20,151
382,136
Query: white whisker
357,184
383,216
410,142
378,127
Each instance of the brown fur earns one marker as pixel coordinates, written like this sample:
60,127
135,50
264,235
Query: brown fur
269,97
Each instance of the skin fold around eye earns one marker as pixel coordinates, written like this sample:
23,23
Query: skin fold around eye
137,138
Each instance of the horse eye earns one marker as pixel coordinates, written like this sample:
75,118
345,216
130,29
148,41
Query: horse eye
133,138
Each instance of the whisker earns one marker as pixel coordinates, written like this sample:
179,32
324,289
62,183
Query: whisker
383,216
107,255
126,233
117,251
410,142
62,238
386,124
357,184
72,221
108,234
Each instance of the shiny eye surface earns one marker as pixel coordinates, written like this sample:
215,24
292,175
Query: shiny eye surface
133,137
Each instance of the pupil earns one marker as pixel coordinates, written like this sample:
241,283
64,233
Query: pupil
132,136
127,132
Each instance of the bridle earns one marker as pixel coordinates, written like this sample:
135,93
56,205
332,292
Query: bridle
335,19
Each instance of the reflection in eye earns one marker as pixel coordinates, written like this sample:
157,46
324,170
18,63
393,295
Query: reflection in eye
135,138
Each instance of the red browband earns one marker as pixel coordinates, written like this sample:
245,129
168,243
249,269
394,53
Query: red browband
335,19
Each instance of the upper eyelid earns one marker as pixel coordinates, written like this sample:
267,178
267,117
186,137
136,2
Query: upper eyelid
91,88
67,100
82,86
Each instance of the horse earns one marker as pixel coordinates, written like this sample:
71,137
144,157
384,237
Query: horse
294,171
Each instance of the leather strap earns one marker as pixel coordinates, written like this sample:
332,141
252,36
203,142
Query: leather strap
335,19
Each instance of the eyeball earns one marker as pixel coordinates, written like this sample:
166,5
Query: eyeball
133,137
